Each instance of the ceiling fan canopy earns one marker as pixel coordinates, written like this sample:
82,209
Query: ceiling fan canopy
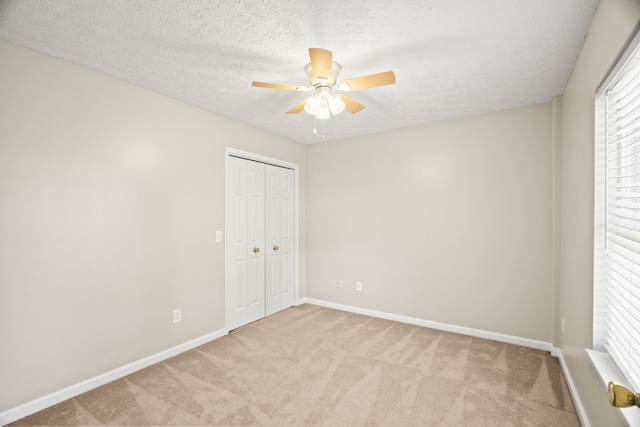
322,74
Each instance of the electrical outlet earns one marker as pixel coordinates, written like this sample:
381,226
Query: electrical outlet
359,286
338,283
177,316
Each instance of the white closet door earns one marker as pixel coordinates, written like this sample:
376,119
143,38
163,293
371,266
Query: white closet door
245,242
280,231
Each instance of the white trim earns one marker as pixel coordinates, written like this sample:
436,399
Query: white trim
259,158
277,162
510,339
607,370
599,226
582,414
56,397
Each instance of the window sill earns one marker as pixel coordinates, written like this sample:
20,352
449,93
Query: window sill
608,371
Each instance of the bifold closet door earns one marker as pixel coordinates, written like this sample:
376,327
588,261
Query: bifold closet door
245,238
280,239
260,236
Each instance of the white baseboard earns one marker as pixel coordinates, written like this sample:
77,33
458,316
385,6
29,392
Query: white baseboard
56,397
582,414
525,342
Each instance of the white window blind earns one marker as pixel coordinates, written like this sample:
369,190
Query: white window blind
621,256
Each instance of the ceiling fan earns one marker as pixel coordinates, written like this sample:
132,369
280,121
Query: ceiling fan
323,75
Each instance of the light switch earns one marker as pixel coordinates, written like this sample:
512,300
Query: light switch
218,236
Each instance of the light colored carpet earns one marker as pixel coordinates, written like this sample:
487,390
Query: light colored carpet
310,365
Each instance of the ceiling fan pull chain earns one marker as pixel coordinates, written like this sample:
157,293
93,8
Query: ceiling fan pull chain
314,125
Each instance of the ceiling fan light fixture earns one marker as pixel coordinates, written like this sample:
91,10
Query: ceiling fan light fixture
323,113
322,73
312,106
336,104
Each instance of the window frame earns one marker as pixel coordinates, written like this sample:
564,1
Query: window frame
601,360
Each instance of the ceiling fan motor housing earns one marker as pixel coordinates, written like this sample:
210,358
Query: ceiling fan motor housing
322,80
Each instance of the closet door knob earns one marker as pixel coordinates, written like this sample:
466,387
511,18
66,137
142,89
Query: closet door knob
276,247
256,250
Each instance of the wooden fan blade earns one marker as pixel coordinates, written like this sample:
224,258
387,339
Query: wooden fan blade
320,62
299,107
374,80
277,86
351,105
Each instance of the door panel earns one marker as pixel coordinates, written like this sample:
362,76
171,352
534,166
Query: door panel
255,221
280,231
235,253
245,269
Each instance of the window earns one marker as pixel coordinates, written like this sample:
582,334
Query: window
617,222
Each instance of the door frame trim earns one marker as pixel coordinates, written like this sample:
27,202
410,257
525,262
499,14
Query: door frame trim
230,151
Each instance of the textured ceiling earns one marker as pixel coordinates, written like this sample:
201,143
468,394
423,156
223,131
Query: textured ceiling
452,58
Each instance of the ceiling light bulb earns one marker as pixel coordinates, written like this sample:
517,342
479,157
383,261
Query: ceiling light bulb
323,112
312,105
336,104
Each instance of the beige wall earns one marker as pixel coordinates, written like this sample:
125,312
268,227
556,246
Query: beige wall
448,222
610,27
110,197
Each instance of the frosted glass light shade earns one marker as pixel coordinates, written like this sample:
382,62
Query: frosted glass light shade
313,105
323,113
336,104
